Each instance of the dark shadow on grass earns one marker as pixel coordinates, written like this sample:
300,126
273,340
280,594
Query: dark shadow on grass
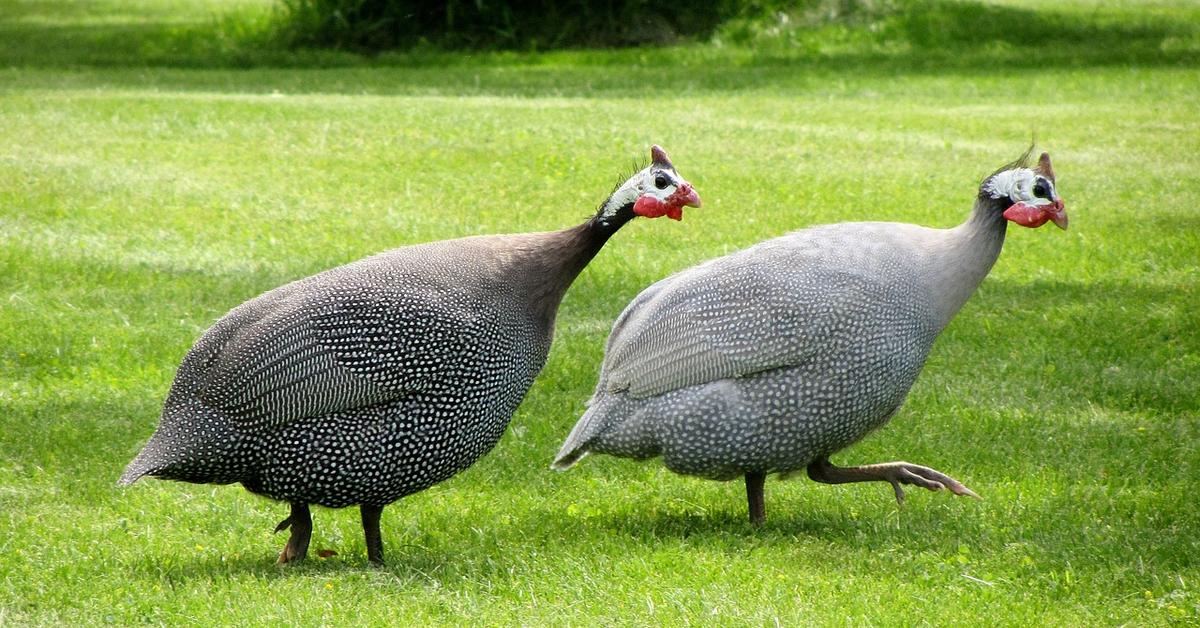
1063,528
932,36
404,563
651,523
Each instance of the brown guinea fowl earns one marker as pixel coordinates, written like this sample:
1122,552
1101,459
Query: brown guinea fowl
380,378
773,358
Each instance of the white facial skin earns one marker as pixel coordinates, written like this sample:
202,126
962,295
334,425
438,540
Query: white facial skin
646,182
1022,185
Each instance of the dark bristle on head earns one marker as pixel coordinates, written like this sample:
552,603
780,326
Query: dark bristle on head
637,167
1024,161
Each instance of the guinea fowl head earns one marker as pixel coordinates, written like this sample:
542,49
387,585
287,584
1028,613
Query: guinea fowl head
656,190
1027,195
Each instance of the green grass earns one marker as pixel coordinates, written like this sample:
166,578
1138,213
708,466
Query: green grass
154,175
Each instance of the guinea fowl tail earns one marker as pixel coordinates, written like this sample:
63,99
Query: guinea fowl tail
575,447
190,445
567,457
138,468
159,458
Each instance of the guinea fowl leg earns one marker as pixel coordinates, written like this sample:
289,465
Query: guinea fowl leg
896,473
370,524
300,521
754,497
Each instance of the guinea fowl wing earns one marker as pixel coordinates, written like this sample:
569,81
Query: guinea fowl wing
762,309
319,351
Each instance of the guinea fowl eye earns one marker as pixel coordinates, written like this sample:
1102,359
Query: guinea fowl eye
1039,190
660,182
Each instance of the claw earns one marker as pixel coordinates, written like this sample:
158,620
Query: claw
894,473
296,548
927,478
959,489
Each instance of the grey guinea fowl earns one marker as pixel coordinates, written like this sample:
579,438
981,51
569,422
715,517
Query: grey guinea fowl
380,378
771,359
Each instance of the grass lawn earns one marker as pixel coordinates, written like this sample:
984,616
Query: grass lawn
155,171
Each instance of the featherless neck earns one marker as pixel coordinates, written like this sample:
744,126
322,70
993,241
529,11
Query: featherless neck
583,242
609,222
987,217
967,255
563,255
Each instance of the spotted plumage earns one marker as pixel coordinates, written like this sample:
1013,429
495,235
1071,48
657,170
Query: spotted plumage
374,380
771,359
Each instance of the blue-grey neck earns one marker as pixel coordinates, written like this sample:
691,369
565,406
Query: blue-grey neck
965,255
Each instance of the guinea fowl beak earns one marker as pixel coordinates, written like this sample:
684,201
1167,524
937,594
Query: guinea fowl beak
683,196
687,196
1058,215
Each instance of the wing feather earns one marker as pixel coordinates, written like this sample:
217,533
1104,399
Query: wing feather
294,353
763,308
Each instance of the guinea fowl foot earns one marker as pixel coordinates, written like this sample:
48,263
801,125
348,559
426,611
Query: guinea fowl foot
300,521
896,473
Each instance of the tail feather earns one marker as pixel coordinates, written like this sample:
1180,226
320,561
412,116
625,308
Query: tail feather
575,447
152,460
567,459
189,446
134,471
149,461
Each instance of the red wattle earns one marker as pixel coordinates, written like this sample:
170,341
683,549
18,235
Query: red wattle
649,207
1027,215
672,207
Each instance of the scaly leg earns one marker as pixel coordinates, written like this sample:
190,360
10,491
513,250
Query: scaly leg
300,521
370,524
896,473
754,497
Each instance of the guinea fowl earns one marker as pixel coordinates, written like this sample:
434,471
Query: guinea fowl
771,359
380,378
